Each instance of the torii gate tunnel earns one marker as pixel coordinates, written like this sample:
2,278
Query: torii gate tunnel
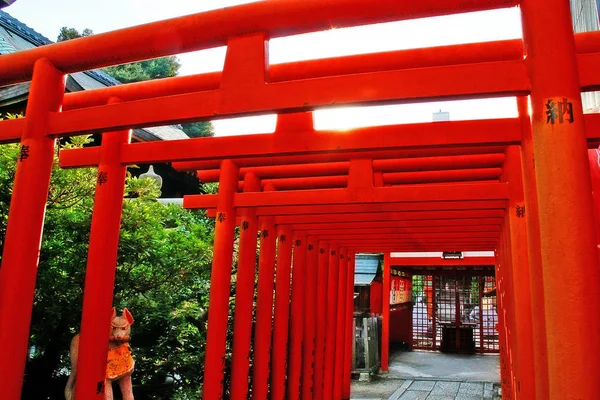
323,196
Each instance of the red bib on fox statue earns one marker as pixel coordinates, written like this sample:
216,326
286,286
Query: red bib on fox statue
120,362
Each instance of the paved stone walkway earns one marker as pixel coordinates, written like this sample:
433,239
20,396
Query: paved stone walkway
440,366
427,375
423,390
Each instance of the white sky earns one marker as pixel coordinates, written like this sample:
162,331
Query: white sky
47,17
439,254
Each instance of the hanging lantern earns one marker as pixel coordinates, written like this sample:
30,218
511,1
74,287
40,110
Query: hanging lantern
152,175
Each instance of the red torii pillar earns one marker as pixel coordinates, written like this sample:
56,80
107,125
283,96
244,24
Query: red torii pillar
297,317
520,282
512,319
101,268
385,317
510,312
349,334
282,314
567,227
240,51
500,327
26,221
323,270
218,309
330,342
340,325
244,295
505,326
540,356
264,309
431,304
310,319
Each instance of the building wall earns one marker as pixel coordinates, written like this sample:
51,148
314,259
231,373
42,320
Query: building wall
585,15
585,19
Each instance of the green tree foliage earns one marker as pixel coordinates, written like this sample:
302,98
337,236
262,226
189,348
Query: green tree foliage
417,286
162,277
8,155
158,68
198,129
72,33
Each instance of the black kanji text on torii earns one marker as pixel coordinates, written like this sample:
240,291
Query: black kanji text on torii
24,152
102,177
557,110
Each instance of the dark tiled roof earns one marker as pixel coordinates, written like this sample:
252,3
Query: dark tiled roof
366,263
37,39
366,267
102,77
14,93
16,26
18,92
5,47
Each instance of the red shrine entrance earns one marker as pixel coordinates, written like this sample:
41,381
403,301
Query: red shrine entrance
319,197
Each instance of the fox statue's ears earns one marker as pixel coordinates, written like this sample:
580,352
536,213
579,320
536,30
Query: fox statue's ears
113,315
127,315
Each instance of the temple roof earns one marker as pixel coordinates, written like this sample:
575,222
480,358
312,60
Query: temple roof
366,268
16,36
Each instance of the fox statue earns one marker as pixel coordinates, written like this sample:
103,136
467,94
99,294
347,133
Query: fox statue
120,362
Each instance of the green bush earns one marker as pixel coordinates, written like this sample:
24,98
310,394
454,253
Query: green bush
162,276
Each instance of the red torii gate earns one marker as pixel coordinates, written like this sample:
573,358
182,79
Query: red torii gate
383,238
531,244
441,198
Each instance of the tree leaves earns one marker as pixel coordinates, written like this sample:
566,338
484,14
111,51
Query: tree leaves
198,129
72,33
162,276
157,68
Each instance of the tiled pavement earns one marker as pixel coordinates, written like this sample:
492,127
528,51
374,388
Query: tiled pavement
436,390
433,376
